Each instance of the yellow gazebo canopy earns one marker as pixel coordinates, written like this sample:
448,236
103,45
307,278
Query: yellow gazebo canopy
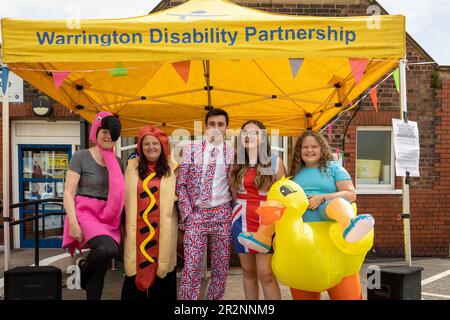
168,68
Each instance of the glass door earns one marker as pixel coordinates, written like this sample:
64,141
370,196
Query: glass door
42,170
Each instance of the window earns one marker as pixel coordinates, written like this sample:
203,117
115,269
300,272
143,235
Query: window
374,158
279,146
42,170
127,148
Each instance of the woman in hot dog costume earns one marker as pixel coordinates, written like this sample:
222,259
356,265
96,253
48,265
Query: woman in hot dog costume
151,220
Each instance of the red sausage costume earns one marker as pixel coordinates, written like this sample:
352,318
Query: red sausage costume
151,218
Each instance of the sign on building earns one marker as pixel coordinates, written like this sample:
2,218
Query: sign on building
15,84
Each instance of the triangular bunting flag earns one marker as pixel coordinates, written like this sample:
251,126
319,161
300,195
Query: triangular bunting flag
183,68
59,76
330,128
374,97
295,65
395,75
119,70
5,73
358,67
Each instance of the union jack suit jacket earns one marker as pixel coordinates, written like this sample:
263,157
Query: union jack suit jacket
190,177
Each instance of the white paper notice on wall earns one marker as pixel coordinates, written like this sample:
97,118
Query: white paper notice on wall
406,147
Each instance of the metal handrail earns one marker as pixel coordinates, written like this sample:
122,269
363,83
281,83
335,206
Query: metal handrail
30,202
36,218
42,215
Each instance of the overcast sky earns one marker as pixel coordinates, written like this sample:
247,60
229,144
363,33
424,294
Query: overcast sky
427,21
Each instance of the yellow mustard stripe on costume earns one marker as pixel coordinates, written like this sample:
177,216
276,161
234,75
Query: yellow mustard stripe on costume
145,217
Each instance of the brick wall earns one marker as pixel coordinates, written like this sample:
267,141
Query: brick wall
437,209
308,7
23,110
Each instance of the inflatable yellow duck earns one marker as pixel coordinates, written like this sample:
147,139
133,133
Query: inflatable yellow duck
310,256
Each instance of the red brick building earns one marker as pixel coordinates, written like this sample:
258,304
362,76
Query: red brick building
428,93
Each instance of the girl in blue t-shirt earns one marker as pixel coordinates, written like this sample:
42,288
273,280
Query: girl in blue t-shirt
328,185
329,188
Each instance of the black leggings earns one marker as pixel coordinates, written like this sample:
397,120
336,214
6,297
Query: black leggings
103,249
162,289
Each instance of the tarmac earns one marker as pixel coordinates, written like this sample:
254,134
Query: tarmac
435,276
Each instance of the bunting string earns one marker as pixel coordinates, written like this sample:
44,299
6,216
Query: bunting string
73,71
416,63
355,104
137,68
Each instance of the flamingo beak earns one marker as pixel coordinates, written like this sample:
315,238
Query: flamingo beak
112,123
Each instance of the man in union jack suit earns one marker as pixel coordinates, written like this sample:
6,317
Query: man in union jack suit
204,201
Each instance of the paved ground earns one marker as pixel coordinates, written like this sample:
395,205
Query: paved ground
435,277
25,257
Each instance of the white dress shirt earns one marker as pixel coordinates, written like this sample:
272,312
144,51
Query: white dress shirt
220,188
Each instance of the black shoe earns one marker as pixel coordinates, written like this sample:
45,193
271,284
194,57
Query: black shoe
83,277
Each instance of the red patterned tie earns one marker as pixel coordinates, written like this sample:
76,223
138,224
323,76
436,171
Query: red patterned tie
208,178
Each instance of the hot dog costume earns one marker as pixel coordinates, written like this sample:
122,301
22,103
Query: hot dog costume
98,217
151,219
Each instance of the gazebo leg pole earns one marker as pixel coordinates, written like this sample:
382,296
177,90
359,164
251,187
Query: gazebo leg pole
405,180
5,146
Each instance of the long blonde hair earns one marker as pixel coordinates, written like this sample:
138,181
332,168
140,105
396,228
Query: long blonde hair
262,182
325,153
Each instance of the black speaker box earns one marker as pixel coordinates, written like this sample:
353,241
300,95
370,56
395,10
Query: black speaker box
398,283
33,283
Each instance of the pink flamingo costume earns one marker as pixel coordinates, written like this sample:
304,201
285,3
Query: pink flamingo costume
99,217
